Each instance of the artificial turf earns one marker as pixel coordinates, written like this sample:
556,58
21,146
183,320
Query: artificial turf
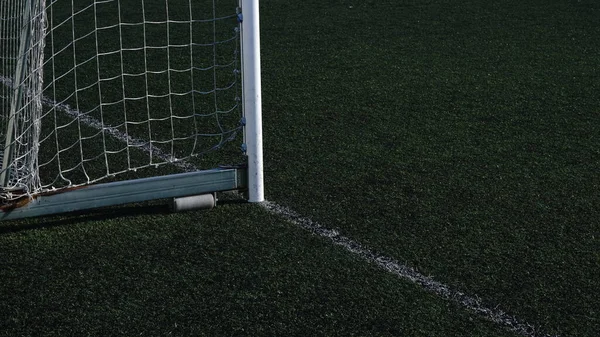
459,137
233,271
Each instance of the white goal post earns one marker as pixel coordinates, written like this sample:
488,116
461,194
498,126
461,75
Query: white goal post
105,102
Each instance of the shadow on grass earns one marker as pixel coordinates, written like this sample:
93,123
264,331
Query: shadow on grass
83,216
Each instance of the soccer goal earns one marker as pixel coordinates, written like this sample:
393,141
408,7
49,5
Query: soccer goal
106,102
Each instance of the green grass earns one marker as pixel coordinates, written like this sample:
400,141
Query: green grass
458,137
236,271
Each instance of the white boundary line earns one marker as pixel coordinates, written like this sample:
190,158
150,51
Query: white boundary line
468,302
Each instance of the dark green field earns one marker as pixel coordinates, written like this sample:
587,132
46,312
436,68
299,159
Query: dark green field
460,138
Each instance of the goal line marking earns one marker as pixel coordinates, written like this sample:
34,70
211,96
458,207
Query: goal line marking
469,302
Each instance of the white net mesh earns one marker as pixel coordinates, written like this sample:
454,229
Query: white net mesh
22,40
127,85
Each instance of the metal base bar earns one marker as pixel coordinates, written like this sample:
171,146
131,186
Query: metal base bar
124,192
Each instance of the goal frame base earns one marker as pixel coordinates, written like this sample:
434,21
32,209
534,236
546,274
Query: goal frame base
129,191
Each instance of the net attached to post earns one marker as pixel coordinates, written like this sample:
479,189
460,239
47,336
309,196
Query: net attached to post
22,27
111,88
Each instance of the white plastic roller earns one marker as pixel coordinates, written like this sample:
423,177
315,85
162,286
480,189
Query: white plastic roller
194,202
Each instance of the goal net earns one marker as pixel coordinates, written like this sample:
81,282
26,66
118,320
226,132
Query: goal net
22,54
103,90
